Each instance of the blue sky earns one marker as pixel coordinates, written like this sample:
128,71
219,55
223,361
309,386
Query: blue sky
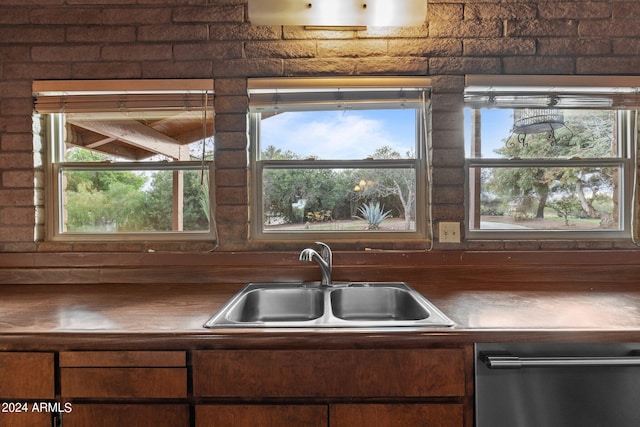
345,134
496,126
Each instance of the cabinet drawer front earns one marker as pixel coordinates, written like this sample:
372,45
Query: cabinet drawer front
25,419
124,382
397,415
100,415
145,359
261,415
329,373
26,376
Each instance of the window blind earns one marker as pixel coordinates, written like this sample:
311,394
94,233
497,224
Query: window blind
270,95
503,91
123,96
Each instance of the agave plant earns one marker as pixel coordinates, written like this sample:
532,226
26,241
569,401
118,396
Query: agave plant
374,214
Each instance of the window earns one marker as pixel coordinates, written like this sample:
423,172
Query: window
127,159
549,161
339,157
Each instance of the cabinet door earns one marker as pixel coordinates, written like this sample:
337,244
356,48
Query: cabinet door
25,379
25,419
261,415
396,415
26,376
138,415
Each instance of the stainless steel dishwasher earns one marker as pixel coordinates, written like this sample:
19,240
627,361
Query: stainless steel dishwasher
558,385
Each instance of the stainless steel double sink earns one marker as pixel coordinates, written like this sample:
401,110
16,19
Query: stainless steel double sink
311,305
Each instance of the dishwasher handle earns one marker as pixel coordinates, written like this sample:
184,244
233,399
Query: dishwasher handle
509,361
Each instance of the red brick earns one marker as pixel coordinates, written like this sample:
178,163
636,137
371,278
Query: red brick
574,10
217,50
106,70
466,29
16,197
500,46
281,49
65,53
500,11
539,65
209,13
352,48
17,216
231,177
17,179
173,32
231,140
34,71
11,35
231,159
139,15
167,69
548,28
137,53
101,34
19,160
14,233
66,16
14,16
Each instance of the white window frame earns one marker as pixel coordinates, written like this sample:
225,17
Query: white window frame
291,94
55,92
596,92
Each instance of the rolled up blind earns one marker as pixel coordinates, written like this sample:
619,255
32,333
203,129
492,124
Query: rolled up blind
121,95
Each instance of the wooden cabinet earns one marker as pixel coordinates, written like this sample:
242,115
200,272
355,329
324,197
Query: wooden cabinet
329,373
240,388
261,415
143,377
26,379
426,387
396,415
122,414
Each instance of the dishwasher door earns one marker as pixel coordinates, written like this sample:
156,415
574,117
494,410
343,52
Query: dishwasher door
558,385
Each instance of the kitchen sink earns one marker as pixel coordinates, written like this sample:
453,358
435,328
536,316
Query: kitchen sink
312,305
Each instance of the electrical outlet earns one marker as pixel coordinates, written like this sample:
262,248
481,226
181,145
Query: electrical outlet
449,232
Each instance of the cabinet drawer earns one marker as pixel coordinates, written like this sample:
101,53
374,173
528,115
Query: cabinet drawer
26,419
26,376
329,373
136,374
102,415
397,415
261,415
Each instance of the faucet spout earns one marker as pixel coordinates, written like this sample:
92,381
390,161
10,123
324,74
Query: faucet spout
324,259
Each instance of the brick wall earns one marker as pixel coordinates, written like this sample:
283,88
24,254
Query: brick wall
136,39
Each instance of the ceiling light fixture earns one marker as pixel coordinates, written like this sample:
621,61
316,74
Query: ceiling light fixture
338,13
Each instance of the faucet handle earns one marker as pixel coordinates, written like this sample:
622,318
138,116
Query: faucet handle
326,253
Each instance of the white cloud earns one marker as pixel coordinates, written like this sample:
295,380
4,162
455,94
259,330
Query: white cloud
334,135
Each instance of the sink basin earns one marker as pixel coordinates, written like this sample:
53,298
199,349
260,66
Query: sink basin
353,304
376,303
278,305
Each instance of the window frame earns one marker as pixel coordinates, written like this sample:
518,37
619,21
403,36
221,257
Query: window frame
55,164
621,91
320,87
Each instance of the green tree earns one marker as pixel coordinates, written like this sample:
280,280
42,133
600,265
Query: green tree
589,134
320,189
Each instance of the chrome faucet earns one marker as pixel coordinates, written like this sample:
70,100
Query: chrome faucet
324,260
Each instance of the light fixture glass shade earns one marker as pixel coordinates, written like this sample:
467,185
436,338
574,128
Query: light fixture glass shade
375,13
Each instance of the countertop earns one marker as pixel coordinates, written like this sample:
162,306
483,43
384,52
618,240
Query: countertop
58,317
